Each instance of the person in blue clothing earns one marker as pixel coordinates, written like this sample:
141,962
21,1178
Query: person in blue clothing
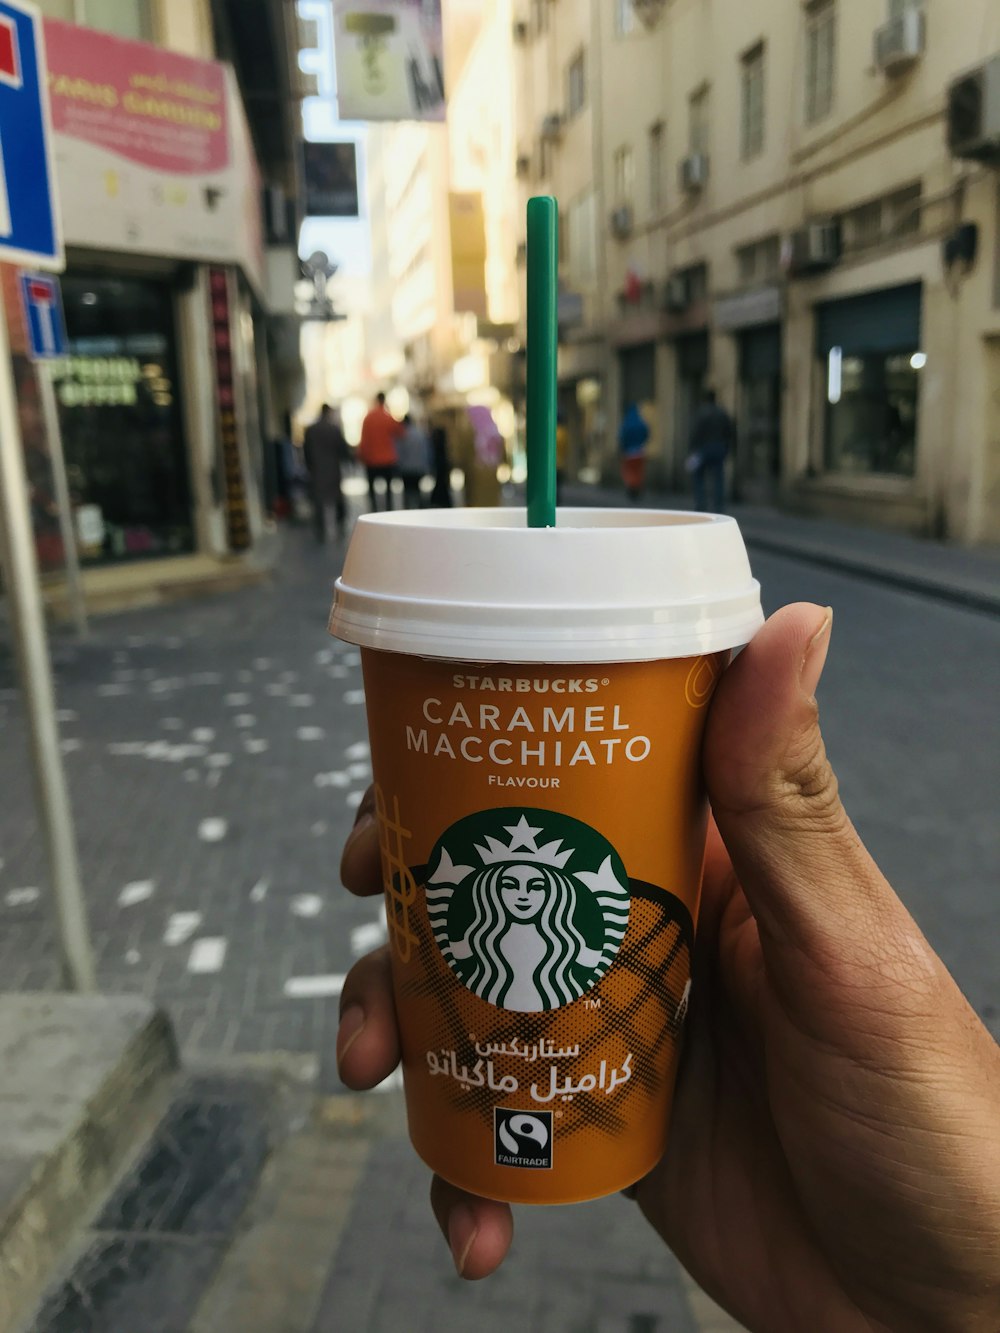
632,440
713,434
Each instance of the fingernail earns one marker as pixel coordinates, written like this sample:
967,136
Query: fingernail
815,656
462,1233
352,1024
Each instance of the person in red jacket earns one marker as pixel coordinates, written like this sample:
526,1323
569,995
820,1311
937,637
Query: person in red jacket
377,450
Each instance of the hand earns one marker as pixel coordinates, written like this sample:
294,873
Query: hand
833,1161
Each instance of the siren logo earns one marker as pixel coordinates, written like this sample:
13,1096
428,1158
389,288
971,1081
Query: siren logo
529,908
522,1140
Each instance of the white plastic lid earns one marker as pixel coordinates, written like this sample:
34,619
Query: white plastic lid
606,585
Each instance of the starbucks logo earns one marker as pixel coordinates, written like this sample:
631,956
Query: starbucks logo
528,908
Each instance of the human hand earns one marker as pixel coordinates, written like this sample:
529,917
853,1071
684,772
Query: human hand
833,1160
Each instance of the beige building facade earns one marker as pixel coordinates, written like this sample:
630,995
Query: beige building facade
763,199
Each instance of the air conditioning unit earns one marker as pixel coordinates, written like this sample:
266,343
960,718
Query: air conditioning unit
552,127
622,221
901,42
523,166
816,246
974,113
677,293
694,172
521,32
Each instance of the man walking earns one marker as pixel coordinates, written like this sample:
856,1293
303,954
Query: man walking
379,432
713,433
325,450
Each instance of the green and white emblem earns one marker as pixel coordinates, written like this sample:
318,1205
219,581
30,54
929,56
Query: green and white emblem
529,908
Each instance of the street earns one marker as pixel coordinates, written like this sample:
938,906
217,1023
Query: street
215,752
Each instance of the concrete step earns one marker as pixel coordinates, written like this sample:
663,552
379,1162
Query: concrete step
82,1078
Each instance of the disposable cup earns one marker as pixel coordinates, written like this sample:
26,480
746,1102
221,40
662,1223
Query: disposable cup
536,702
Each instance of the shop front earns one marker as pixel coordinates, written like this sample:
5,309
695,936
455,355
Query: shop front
871,360
753,318
120,412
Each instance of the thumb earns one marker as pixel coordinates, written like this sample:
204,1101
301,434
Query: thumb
813,888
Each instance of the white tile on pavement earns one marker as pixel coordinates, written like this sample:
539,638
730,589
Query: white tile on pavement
207,955
312,988
307,905
21,897
213,830
180,927
139,891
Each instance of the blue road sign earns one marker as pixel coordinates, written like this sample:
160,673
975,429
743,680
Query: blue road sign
29,223
43,315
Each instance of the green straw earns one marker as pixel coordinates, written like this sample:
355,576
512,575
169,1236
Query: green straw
543,276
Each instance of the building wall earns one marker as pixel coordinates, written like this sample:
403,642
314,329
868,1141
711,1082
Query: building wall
882,134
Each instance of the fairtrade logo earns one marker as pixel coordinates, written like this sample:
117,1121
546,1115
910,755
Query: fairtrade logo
529,908
522,1140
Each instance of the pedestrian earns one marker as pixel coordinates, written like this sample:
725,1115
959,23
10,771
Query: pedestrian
832,1153
414,460
325,451
479,451
562,454
713,433
632,440
441,497
380,432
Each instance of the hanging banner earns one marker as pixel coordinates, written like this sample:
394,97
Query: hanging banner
390,59
330,171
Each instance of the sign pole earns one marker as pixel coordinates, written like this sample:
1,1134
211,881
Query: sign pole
74,580
23,591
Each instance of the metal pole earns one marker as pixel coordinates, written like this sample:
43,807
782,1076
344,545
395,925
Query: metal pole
24,593
74,582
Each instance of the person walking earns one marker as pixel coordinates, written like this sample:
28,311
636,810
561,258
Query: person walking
713,433
325,451
479,451
379,433
632,440
414,460
441,497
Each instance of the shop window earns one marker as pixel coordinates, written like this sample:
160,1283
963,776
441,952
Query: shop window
121,420
576,85
821,59
657,168
872,407
753,111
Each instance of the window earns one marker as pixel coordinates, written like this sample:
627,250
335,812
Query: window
540,16
124,18
898,8
904,210
576,85
821,59
546,149
759,262
582,237
624,177
698,129
752,123
657,168
626,22
873,403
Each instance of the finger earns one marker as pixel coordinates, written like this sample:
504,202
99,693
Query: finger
478,1231
368,1037
360,866
814,890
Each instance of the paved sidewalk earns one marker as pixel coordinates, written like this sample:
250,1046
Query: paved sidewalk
949,573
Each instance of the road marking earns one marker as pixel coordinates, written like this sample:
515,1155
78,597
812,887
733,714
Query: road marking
207,955
133,957
359,770
310,733
180,927
354,799
139,891
332,780
212,830
338,672
255,745
307,905
244,720
203,735
218,760
259,891
352,659
313,988
21,897
366,938
360,750
324,656
236,700
354,697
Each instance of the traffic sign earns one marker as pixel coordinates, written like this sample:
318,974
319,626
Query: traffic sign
29,216
43,314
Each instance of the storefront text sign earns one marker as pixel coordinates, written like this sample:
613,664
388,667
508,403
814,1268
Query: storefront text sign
237,518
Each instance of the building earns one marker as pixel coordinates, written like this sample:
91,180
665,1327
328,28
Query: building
781,201
177,179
